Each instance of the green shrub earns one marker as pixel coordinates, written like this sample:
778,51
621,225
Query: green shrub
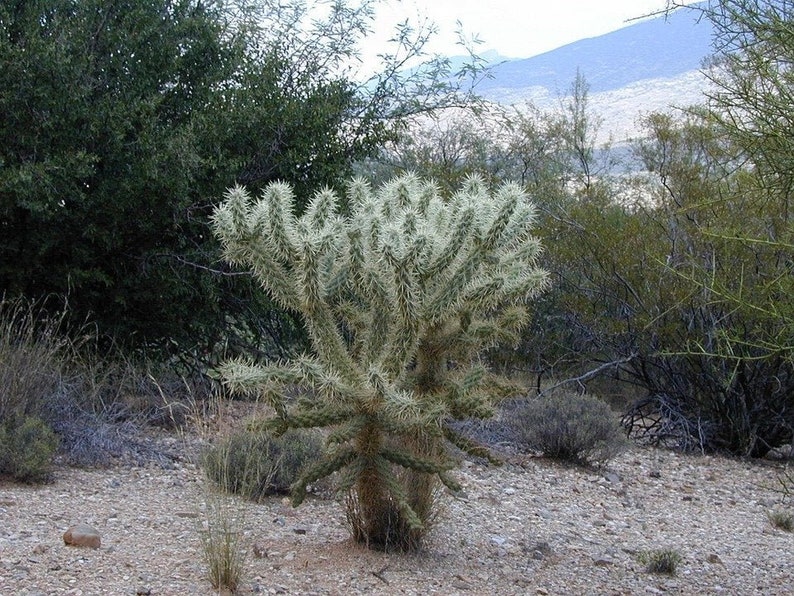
27,446
569,427
255,464
664,561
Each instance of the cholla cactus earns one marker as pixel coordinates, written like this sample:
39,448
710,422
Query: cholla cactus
399,289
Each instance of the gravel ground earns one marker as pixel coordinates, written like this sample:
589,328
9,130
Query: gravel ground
529,527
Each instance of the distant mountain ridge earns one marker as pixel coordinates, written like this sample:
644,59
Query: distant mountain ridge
651,65
650,49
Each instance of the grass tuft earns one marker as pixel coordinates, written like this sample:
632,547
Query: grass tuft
222,541
662,561
781,519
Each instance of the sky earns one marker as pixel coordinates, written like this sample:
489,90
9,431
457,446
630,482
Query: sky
514,28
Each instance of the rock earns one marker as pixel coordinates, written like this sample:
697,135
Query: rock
714,559
541,550
781,453
143,591
498,540
82,535
260,551
612,477
40,549
187,514
461,584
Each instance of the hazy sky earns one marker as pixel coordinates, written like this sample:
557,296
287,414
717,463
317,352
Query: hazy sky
515,28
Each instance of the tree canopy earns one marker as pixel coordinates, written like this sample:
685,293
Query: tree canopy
122,119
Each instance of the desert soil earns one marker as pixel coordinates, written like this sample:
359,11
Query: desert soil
531,526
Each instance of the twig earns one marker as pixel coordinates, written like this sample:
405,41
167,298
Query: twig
590,374
379,574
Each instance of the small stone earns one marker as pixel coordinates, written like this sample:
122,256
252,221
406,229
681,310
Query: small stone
143,591
260,551
82,535
541,550
714,559
655,474
460,584
40,549
603,562
187,514
612,477
301,531
509,491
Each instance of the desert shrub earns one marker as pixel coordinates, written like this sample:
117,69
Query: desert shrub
32,352
27,446
255,464
664,561
95,402
569,427
782,519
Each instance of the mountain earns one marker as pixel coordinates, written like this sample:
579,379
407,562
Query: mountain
645,66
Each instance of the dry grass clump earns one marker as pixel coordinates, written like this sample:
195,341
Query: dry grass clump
663,561
222,541
58,390
781,519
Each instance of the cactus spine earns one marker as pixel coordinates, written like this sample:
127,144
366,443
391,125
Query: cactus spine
398,296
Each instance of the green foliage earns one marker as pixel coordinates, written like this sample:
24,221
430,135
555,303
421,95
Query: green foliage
705,318
651,283
569,427
27,446
663,561
119,119
255,464
399,289
754,45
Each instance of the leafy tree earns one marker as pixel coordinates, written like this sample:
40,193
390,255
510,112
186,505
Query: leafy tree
121,117
752,106
721,370
400,289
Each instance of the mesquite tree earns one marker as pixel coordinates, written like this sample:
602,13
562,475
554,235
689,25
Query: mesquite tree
400,289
